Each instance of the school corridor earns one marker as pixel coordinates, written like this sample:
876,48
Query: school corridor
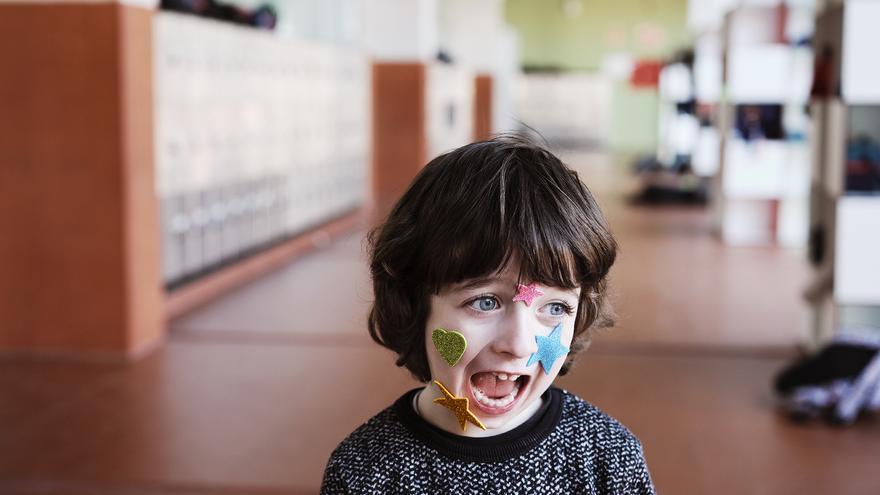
251,392
186,186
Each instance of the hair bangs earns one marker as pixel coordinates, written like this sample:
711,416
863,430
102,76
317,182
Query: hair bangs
515,215
469,239
547,248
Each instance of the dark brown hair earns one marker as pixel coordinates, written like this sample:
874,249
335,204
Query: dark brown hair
466,215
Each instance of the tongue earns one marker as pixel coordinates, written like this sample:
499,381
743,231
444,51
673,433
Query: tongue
491,386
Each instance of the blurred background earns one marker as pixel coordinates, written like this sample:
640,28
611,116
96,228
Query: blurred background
185,187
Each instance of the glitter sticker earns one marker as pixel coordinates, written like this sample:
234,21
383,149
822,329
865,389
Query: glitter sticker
549,349
527,293
459,406
450,344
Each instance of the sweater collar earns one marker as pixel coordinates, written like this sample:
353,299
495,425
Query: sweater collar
497,448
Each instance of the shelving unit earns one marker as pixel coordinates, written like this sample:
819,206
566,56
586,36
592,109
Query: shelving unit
761,193
679,172
707,73
845,188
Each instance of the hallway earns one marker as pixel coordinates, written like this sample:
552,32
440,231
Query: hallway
250,394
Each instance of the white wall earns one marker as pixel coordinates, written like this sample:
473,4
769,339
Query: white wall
475,35
572,109
404,30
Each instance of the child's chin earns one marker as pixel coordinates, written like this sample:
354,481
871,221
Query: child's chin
500,418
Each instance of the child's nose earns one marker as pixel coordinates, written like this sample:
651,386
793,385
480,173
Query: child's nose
517,338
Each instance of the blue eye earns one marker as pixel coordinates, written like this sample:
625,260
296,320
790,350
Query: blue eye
485,303
559,309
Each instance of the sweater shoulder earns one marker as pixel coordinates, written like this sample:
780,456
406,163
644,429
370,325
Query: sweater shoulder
586,419
370,458
612,451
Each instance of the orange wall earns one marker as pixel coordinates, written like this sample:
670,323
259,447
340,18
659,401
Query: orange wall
79,251
482,107
399,131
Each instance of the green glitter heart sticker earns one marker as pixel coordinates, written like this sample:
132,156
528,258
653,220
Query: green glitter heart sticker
450,344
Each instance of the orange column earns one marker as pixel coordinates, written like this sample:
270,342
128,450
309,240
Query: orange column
399,131
482,107
79,250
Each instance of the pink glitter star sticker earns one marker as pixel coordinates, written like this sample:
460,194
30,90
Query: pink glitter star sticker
527,293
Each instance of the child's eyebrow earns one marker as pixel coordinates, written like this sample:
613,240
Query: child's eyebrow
476,282
570,292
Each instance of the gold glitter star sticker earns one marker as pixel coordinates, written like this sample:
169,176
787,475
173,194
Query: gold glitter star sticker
459,406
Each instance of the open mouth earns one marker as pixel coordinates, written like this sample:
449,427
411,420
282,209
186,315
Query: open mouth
496,392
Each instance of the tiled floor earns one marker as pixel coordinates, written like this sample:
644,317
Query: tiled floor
251,393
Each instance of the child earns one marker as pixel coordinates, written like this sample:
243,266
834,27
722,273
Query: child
489,274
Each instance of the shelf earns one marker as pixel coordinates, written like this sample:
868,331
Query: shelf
765,169
862,159
845,149
747,222
845,42
860,71
755,23
857,244
785,73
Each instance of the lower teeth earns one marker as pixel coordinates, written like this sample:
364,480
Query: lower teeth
503,401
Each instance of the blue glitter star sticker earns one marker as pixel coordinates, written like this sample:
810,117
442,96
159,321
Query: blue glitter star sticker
549,349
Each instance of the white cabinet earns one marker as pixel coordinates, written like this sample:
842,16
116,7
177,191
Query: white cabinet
860,72
857,251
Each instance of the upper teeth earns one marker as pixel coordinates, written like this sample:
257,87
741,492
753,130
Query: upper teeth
505,376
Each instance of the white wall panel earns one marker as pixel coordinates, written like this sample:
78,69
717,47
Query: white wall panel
449,102
403,30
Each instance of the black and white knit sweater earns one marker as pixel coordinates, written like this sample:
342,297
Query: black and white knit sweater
567,447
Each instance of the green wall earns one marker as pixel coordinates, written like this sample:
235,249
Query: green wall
643,28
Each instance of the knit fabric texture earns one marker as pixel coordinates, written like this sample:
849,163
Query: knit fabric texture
569,447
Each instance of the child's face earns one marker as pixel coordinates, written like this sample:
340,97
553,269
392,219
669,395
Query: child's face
501,337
